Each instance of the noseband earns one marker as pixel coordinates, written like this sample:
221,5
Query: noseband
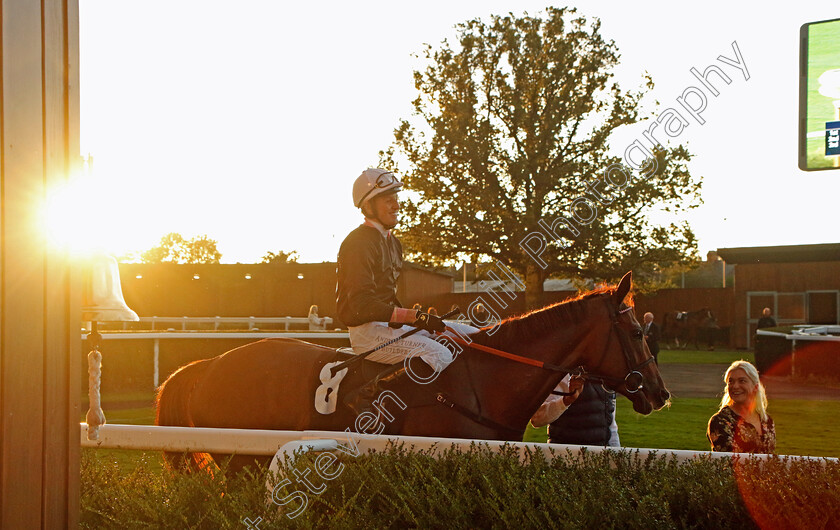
633,381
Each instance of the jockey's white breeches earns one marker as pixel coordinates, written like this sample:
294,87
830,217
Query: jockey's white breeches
422,344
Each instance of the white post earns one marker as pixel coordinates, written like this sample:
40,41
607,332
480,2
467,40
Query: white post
157,363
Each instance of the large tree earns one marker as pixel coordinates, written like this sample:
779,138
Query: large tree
510,140
173,248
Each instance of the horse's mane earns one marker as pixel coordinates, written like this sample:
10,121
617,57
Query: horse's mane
533,324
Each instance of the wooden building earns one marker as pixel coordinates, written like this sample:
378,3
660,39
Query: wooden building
260,290
799,283
40,300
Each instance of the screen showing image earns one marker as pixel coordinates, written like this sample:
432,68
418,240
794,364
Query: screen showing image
819,96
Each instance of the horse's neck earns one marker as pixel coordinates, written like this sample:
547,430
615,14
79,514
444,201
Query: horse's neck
516,386
499,388
562,342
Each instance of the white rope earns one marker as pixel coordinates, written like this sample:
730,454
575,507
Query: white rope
95,416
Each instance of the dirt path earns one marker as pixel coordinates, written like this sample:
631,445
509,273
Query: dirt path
706,380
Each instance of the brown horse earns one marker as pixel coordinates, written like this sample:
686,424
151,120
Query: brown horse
689,326
271,384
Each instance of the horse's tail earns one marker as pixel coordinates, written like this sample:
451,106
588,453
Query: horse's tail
173,409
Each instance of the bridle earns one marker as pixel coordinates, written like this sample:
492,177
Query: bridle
633,380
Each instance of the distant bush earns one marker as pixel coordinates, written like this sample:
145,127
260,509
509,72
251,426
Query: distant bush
476,488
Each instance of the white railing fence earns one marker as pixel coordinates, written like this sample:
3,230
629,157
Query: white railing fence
156,337
187,323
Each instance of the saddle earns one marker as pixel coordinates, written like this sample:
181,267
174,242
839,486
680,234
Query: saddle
326,395
372,383
372,372
682,315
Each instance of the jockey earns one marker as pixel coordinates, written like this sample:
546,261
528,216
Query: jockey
369,265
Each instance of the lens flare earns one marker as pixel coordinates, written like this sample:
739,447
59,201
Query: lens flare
72,218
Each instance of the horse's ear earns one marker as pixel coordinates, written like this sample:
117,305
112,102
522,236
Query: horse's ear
623,287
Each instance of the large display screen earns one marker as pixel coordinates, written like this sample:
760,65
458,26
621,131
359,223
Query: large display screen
819,95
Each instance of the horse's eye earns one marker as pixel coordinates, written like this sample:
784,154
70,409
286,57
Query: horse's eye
637,334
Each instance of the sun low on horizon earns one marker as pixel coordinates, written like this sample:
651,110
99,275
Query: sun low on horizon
247,130
98,212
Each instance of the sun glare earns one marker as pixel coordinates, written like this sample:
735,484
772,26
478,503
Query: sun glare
63,214
78,218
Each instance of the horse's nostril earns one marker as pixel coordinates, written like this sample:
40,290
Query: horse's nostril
665,395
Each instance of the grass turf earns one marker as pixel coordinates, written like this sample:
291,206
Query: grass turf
704,357
802,427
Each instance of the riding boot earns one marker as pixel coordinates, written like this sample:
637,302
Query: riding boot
361,399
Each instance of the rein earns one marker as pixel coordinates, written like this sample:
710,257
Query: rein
512,356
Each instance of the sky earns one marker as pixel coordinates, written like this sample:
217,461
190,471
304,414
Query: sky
248,122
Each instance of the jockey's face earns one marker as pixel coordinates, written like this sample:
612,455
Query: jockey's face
385,209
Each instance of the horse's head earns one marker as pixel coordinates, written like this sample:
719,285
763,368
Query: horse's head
627,365
707,319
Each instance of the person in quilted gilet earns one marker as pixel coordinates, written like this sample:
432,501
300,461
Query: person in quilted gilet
579,413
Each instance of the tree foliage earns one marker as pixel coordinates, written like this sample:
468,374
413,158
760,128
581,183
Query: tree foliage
280,257
173,248
513,129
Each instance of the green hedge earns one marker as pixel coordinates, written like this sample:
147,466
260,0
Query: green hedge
476,488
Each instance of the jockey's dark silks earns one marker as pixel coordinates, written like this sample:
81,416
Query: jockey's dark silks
369,265
587,420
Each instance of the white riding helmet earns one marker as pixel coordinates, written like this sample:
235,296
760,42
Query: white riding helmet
373,182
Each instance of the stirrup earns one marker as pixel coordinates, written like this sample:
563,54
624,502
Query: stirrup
361,399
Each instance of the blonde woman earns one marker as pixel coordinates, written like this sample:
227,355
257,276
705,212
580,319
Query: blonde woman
316,323
742,424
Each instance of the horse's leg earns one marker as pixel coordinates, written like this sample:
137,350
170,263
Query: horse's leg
234,464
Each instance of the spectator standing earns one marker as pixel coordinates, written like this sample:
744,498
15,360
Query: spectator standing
742,424
585,418
316,323
766,321
481,315
652,335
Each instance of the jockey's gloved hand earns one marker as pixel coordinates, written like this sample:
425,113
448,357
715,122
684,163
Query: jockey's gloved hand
431,323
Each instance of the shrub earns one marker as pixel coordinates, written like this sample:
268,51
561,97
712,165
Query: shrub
477,488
